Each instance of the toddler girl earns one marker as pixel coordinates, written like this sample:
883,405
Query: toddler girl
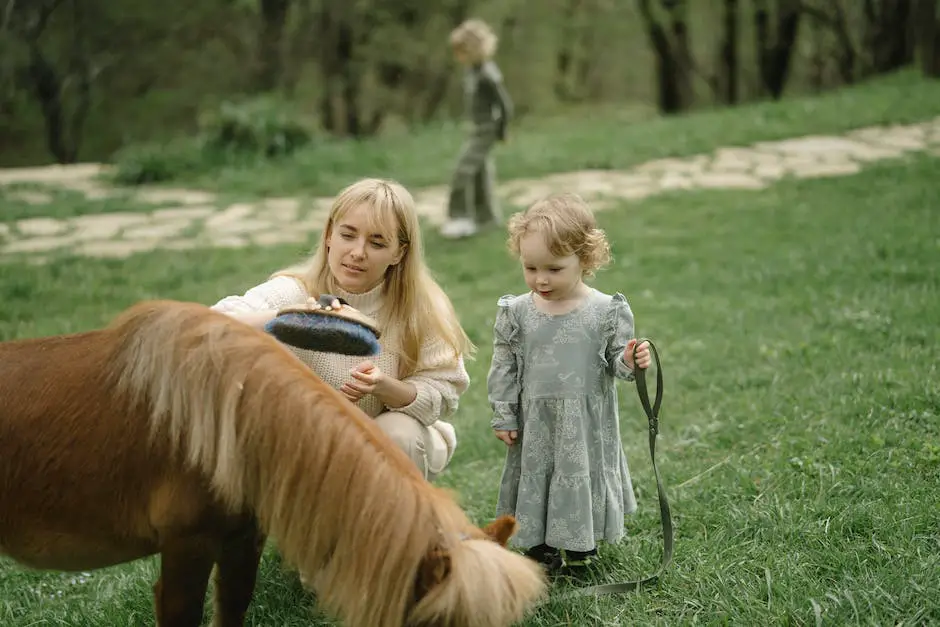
557,352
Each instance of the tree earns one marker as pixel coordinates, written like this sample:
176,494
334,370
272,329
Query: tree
727,79
889,36
673,54
269,58
928,36
775,45
362,81
429,82
64,94
572,63
342,37
835,20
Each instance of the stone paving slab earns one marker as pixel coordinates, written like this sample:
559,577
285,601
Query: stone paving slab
188,219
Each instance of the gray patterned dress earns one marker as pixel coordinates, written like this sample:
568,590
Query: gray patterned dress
553,378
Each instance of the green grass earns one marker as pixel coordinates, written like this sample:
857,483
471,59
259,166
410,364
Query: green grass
62,203
597,137
800,438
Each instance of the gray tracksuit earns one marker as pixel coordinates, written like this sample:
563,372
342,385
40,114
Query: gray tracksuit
490,108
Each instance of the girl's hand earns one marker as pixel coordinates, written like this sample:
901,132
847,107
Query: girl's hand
367,378
509,437
643,358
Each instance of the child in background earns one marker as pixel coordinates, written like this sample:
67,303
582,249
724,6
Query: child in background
558,351
472,203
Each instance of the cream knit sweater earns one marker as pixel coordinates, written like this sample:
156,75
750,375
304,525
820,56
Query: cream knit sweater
439,378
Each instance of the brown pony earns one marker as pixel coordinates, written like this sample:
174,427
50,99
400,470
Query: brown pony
180,431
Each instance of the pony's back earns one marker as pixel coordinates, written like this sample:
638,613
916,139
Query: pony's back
69,439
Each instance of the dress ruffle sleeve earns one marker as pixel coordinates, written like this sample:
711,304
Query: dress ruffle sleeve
502,382
618,331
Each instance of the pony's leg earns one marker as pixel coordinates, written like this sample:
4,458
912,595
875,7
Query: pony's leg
180,592
236,572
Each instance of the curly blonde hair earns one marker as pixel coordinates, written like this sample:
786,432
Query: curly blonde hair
569,228
475,38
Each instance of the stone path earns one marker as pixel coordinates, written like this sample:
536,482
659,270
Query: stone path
183,219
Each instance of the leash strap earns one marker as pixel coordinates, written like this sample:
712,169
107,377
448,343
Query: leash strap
652,413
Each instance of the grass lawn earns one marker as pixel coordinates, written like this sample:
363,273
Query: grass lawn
590,138
611,137
798,329
800,426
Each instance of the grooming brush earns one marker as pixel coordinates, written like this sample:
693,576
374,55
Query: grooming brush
318,326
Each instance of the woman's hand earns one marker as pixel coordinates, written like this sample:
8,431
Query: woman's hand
335,304
509,437
643,358
367,378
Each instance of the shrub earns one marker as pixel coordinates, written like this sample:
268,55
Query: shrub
234,133
139,164
261,127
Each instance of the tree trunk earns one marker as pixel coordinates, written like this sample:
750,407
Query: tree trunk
774,53
437,90
395,74
673,57
81,66
341,72
728,72
565,55
928,37
847,55
269,56
888,34
45,84
301,46
817,60
349,79
63,127
587,45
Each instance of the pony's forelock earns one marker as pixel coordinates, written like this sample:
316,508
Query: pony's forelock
482,570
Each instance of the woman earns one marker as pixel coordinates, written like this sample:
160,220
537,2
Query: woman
370,255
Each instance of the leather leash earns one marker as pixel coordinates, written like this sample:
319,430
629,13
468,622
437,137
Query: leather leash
652,413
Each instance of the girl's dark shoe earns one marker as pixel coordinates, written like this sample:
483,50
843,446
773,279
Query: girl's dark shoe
549,557
577,562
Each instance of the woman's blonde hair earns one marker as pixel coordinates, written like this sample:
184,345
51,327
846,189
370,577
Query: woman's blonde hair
414,307
475,38
569,228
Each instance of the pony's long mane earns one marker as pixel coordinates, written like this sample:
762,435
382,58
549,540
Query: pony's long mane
343,503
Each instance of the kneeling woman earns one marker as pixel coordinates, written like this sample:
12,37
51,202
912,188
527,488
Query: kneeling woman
370,255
